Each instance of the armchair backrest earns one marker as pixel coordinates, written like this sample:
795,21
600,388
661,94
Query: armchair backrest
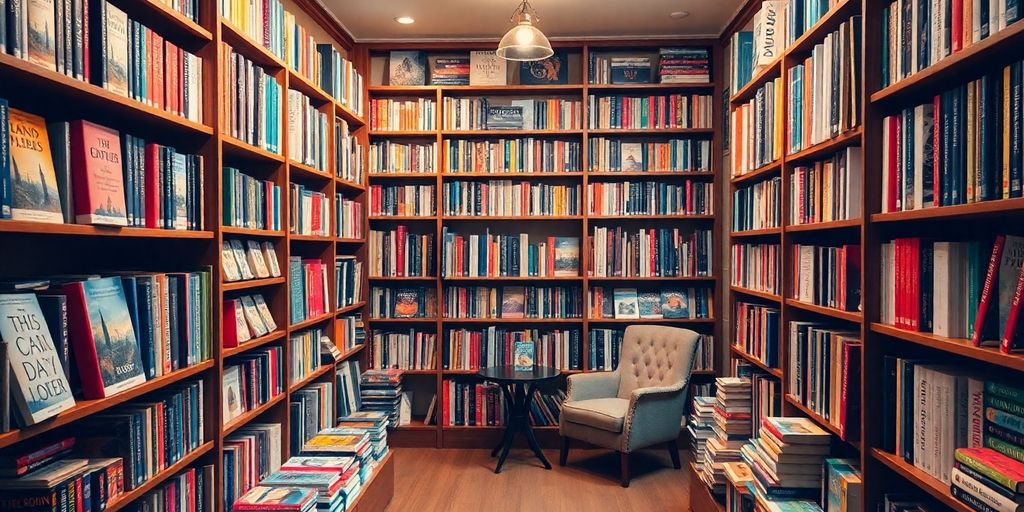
655,356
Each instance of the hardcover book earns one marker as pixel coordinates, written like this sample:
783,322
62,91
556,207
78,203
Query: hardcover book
674,304
523,356
232,389
450,71
252,316
116,64
47,477
796,430
650,305
631,70
265,498
407,303
42,38
268,318
632,156
35,195
504,117
235,313
1009,276
270,256
39,387
513,302
626,303
553,70
567,256
5,156
407,68
96,174
330,464
254,255
103,337
228,263
486,68
243,263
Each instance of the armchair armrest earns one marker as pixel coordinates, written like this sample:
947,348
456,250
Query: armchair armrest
654,416
587,386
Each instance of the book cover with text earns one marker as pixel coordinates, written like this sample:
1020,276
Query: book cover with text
97,176
35,195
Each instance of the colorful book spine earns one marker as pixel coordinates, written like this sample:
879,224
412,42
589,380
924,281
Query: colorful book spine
757,206
688,197
469,349
250,203
675,155
664,252
508,198
674,111
512,156
756,267
400,253
388,114
405,350
403,200
389,157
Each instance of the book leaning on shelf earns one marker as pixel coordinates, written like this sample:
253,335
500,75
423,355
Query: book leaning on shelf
827,276
387,114
756,267
829,190
251,111
245,318
389,157
508,198
824,374
758,206
351,331
652,252
307,279
405,350
403,200
487,255
241,261
399,253
757,332
671,111
251,380
307,132
512,156
249,202
472,349
310,212
513,302
650,198
756,129
674,155
666,304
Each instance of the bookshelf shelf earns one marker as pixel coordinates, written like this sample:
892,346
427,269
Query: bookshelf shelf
960,346
308,379
512,320
431,371
849,316
952,213
85,408
404,218
403,133
96,99
248,416
300,83
252,283
823,226
232,230
403,278
651,217
751,233
921,479
350,241
244,45
553,89
737,351
651,174
821,421
761,172
309,322
649,87
770,72
417,425
534,218
404,176
185,461
821,149
241,149
349,115
311,238
40,228
403,320
512,278
629,279
825,25
377,492
403,90
511,175
349,186
245,346
650,131
173,20
300,170
352,352
509,133
630,321
350,308
754,293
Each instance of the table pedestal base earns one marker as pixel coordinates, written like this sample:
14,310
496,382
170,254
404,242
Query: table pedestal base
518,399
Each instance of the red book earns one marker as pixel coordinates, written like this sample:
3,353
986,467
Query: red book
1010,335
479,404
958,24
159,101
987,290
400,251
550,266
897,260
1011,471
150,67
230,324
96,175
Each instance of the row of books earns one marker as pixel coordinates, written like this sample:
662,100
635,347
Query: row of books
390,157
829,190
304,349
917,34
631,303
351,331
251,380
513,302
512,156
674,155
405,350
340,78
826,276
310,410
479,404
757,331
758,206
509,198
251,110
307,281
741,59
755,266
663,252
347,382
801,15
50,473
500,255
348,217
192,489
387,114
348,154
825,89
249,202
81,172
473,349
673,111
688,197
405,302
755,129
687,65
603,346
253,260
251,453
824,374
399,253
307,132
310,212
245,318
525,114
403,200
962,147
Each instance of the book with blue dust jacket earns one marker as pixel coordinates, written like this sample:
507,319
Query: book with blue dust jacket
674,304
523,356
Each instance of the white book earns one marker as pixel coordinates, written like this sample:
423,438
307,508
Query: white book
240,260
254,255
976,20
981,491
806,269
228,263
854,192
944,267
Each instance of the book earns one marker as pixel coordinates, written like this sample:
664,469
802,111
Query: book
228,263
39,387
674,304
241,260
650,305
231,387
513,302
407,68
42,37
567,256
486,68
270,256
503,117
450,71
35,195
626,303
47,477
110,51
103,338
254,256
407,303
272,499
553,70
524,356
796,430
99,190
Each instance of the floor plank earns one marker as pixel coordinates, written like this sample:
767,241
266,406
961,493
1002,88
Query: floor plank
428,480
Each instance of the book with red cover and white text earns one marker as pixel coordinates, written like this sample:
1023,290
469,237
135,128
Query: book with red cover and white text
97,175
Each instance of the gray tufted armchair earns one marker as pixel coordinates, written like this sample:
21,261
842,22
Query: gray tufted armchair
641,403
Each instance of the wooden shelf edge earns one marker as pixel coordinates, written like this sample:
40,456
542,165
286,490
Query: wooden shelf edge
651,320
958,346
823,226
825,24
371,488
849,316
246,346
247,416
754,293
178,19
924,481
769,72
309,322
233,230
45,228
764,170
345,356
251,283
186,460
962,211
309,379
241,147
742,354
816,151
234,37
820,420
748,233
350,308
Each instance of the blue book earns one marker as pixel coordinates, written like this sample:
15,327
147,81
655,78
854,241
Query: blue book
524,356
295,278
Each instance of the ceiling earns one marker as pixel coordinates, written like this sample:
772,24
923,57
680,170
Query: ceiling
449,20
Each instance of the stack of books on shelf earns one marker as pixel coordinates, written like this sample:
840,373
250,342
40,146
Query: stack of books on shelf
251,380
450,71
310,212
985,479
701,428
55,468
685,65
249,202
348,280
405,350
758,206
246,317
400,253
525,114
381,390
403,200
652,252
619,69
374,424
307,279
674,155
252,112
348,218
757,332
646,303
756,131
498,198
732,427
344,442
827,276
406,302
962,146
307,132
387,114
389,157
832,390
639,198
786,459
487,255
673,111
469,349
829,190
513,302
482,404
756,267
242,261
512,156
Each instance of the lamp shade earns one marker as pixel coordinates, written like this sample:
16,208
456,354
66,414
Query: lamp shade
524,42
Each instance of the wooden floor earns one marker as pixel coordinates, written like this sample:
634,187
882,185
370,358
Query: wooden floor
428,480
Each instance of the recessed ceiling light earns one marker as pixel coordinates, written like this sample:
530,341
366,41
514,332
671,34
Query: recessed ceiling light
405,20
678,15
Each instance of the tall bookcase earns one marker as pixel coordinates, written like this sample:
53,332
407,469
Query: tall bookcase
49,249
428,382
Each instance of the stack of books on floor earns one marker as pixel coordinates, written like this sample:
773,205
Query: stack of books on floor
732,428
701,427
986,480
373,423
786,460
381,390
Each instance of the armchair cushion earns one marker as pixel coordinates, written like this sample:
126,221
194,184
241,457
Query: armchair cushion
654,356
603,413
585,386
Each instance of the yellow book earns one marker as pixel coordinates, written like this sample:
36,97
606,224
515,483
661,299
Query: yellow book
35,195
